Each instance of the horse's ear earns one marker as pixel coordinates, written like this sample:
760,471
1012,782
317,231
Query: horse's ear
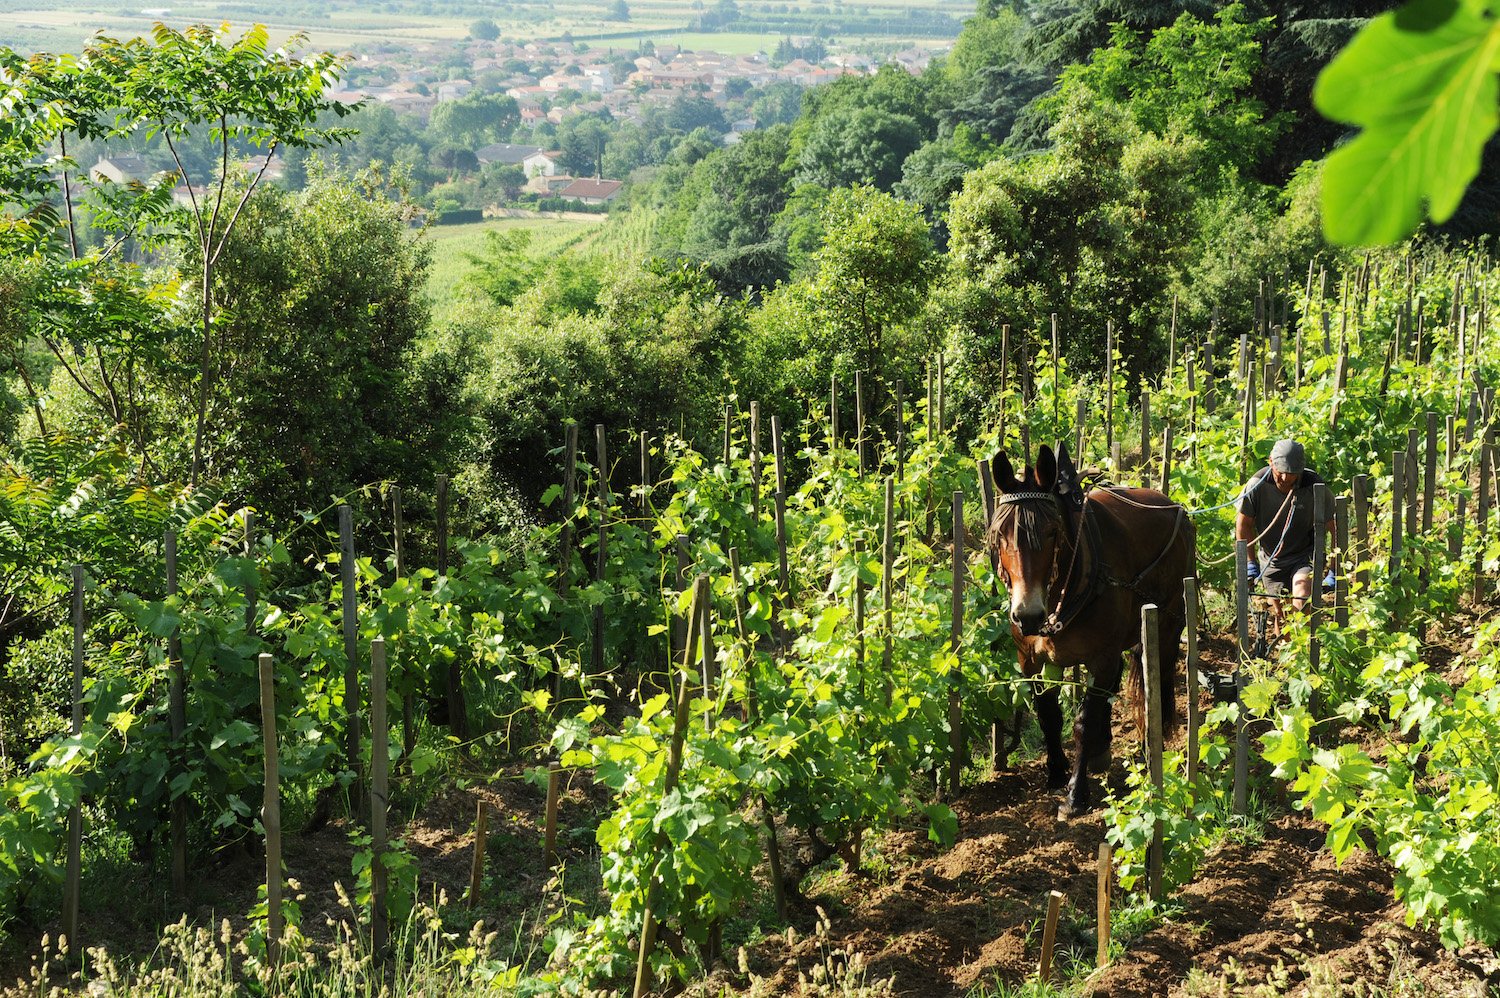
1067,475
1046,469
1003,474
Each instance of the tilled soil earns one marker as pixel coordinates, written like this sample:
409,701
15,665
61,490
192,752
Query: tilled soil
1272,917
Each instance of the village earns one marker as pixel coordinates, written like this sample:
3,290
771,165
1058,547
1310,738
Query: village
552,82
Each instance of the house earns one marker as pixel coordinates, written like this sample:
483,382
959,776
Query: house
541,164
592,191
124,168
453,90
548,184
601,78
505,154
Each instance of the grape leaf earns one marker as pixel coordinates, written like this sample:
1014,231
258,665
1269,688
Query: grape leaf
1421,83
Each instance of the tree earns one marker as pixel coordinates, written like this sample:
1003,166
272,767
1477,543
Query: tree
857,145
177,84
1191,77
324,303
618,11
873,271
475,120
690,111
777,104
582,140
484,30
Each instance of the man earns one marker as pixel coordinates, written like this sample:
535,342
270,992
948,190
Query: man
1276,510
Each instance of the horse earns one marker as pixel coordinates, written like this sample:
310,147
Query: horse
1079,564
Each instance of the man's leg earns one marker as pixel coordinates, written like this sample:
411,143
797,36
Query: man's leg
1301,587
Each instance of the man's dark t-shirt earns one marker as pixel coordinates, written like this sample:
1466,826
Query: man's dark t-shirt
1288,543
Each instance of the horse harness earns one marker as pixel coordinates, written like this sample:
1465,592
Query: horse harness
1100,576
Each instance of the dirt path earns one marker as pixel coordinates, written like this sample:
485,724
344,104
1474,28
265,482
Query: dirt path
1272,917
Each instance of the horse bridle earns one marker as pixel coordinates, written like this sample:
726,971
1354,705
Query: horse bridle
1075,541
1100,574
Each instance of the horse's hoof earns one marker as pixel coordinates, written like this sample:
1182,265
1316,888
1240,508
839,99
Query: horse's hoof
1057,781
1067,811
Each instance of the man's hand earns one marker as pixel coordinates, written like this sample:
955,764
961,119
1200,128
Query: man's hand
1252,570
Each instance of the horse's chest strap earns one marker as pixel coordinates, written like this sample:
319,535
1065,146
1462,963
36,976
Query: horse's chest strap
1099,576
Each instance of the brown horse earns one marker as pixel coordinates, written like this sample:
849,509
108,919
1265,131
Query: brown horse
1079,566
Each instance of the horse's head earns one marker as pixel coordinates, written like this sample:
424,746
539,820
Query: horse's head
1030,532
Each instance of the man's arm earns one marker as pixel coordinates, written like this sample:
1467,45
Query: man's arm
1244,530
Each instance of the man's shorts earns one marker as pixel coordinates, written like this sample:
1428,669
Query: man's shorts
1276,577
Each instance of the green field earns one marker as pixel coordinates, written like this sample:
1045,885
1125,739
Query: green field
66,30
452,245
56,25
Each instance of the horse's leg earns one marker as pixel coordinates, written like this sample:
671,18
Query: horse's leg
1105,684
1092,734
1049,717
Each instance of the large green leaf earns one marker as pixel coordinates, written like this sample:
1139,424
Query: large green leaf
1421,82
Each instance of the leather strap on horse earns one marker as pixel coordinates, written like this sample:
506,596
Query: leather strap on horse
1099,574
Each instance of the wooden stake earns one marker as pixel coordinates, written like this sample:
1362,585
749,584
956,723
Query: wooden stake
1049,934
1241,748
859,615
1080,415
270,814
669,783
1242,608
1166,460
1429,477
646,488
1483,509
351,645
251,596
1360,485
1398,485
1172,338
708,664
1106,879
1056,371
755,460
901,431
1320,552
1109,393
73,883
955,683
177,709
783,578
380,759
1341,544
859,420
887,571
1190,611
833,413
728,434
1145,435
408,723
601,553
1151,665
549,842
481,845
565,543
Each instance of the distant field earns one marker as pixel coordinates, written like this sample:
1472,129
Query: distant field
63,25
451,243
61,30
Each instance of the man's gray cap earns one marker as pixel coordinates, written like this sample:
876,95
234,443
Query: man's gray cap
1288,456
